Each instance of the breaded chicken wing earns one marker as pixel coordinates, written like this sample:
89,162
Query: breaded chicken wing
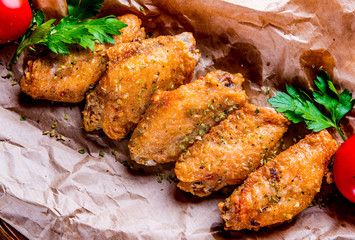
282,188
177,118
66,78
231,150
136,70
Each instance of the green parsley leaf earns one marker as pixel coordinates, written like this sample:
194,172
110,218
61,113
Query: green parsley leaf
69,30
38,18
337,104
82,9
299,106
72,29
39,35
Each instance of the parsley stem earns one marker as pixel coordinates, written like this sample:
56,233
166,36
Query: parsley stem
18,51
340,133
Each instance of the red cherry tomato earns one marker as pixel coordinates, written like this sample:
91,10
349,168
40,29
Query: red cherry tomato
15,18
344,169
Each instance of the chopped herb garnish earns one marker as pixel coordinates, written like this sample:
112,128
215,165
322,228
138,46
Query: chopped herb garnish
101,154
52,133
275,199
198,138
267,91
61,138
54,125
81,151
211,106
160,177
22,118
8,75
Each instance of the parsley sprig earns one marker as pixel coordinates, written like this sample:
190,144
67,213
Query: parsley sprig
298,105
71,29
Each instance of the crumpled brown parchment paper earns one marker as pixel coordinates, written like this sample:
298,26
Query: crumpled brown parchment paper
50,191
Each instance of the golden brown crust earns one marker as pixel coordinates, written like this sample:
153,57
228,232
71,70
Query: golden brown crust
231,150
66,78
136,70
177,118
282,188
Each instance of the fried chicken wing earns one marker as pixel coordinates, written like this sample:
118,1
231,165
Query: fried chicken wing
136,70
177,118
66,78
231,150
282,188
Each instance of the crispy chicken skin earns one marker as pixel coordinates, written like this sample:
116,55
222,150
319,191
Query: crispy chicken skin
177,118
231,150
136,70
282,188
66,78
